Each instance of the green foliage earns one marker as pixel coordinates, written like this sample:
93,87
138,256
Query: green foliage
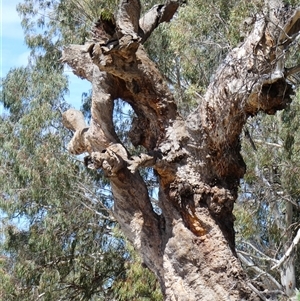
57,240
271,185
60,23
61,245
294,3
241,19
137,282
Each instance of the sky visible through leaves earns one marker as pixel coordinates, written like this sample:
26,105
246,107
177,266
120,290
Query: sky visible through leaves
14,52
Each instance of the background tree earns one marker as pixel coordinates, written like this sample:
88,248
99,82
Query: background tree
58,239
63,245
270,200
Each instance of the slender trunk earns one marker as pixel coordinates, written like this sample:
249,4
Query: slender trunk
287,270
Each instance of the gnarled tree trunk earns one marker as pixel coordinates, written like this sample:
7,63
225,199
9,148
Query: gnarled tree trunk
190,245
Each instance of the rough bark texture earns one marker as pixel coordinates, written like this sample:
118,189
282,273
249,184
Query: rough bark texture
190,245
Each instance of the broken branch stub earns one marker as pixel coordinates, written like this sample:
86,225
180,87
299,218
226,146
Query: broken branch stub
111,159
157,14
74,121
128,18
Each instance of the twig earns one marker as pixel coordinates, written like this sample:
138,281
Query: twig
98,213
257,257
265,257
292,70
249,263
40,295
267,143
255,290
248,136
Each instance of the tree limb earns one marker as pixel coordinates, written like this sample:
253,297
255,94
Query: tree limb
74,121
157,14
128,18
291,27
288,252
292,70
78,58
264,257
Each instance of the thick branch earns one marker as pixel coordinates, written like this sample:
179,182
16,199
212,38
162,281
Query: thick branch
157,14
246,83
134,212
101,133
78,58
290,29
128,18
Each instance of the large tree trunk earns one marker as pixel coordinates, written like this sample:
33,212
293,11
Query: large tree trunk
190,245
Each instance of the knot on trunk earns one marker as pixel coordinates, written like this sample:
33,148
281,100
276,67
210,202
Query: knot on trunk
220,201
182,194
111,160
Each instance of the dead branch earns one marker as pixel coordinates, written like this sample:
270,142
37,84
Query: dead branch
289,251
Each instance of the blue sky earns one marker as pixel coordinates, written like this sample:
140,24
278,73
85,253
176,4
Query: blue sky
14,53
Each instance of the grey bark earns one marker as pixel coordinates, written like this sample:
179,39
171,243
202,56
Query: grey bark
190,245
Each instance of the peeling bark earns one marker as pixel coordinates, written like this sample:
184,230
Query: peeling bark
190,245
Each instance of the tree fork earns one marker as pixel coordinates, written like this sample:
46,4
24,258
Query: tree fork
190,245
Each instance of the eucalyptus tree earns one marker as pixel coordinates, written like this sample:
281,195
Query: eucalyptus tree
190,243
186,236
